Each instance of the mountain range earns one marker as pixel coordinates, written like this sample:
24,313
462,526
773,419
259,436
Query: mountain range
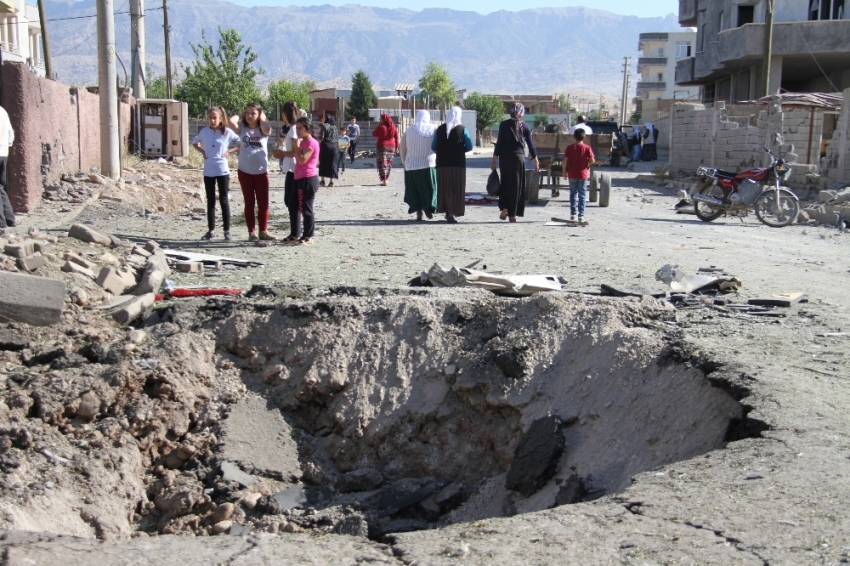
544,50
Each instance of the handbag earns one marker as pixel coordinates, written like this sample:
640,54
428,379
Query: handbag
493,184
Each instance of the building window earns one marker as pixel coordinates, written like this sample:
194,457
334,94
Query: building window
814,9
746,14
660,77
720,21
683,50
838,10
661,52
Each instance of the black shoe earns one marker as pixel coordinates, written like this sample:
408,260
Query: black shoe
428,215
419,216
451,219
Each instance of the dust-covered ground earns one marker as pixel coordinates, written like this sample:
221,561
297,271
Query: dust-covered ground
775,492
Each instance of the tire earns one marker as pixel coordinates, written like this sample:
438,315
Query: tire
777,215
706,212
593,193
604,190
532,186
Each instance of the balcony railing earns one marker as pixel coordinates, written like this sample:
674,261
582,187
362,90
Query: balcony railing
651,62
38,63
653,37
10,48
645,86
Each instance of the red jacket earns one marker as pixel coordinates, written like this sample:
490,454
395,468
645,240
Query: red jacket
386,138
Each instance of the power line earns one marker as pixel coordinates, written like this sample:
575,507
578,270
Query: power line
90,36
89,17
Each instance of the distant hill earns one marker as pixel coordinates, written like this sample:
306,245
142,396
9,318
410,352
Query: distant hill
543,50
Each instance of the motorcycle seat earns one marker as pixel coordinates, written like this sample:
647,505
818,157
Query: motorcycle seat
725,174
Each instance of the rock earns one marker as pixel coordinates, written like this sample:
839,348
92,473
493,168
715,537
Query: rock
364,479
138,250
115,281
250,500
133,309
190,267
98,179
157,260
292,528
151,246
162,176
79,296
223,512
70,256
107,257
222,527
32,262
231,472
136,336
353,525
11,341
569,490
536,456
151,282
37,301
89,406
88,234
21,249
450,369
71,267
173,461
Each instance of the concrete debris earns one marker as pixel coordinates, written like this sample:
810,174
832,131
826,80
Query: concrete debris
116,281
685,283
89,234
231,472
33,300
133,309
73,267
508,285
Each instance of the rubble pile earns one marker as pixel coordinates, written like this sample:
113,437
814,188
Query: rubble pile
832,208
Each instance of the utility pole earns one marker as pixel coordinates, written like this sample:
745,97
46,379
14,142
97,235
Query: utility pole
45,42
137,46
167,48
624,103
110,159
768,45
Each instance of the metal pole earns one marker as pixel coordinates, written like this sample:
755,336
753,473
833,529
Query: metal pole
625,90
137,46
768,45
167,48
110,161
45,41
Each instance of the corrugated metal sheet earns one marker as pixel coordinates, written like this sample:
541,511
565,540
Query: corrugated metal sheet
818,99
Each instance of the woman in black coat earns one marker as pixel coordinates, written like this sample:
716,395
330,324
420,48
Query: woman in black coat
328,150
514,136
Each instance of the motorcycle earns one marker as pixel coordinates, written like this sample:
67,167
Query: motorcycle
721,192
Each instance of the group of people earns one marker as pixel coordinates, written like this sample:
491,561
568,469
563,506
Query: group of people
642,146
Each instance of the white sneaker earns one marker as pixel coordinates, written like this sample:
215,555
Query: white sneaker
573,218
581,219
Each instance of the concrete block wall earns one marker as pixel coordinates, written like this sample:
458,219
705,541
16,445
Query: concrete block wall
57,130
835,167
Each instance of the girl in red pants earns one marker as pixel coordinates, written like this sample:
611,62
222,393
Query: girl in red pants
253,130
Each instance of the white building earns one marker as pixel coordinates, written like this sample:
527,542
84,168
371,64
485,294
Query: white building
657,69
20,34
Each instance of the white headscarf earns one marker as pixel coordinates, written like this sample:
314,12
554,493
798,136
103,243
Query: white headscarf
423,124
453,119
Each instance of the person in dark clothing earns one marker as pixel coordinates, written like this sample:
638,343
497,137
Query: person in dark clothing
509,153
650,138
451,142
328,150
7,138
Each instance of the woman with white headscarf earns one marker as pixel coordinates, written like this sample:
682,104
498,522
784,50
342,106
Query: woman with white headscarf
509,152
650,137
451,142
420,175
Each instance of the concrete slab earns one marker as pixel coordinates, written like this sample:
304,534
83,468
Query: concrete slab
33,300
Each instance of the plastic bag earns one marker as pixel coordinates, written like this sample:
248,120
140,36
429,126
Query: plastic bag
493,184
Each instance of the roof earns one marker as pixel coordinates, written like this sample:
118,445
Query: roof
813,99
405,86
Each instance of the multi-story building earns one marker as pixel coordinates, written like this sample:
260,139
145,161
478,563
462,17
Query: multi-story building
809,51
20,34
657,66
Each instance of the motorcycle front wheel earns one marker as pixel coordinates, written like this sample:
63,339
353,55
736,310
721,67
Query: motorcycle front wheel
779,210
705,211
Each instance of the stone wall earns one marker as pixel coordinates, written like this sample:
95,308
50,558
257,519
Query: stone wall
732,138
57,130
835,167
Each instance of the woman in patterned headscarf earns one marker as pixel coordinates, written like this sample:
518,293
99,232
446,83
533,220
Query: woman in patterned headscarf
386,135
509,153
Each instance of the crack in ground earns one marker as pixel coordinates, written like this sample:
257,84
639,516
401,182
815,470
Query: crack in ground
735,542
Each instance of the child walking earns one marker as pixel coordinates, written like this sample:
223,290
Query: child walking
306,178
253,130
578,158
216,143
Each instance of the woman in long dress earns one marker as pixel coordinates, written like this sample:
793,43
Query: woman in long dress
509,152
451,142
386,135
328,150
420,176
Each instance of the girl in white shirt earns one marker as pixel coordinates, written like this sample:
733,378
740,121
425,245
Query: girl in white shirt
214,142
286,155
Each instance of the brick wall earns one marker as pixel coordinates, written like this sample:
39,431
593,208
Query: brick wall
732,138
57,130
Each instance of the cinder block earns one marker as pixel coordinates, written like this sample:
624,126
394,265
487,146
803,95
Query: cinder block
115,281
32,262
138,250
151,282
190,267
88,234
132,310
72,257
151,246
22,249
32,300
71,267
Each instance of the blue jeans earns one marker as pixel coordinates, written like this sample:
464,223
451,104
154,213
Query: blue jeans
578,192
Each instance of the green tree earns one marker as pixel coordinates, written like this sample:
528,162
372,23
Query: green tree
564,104
634,118
436,85
541,119
283,91
155,86
223,75
362,97
489,110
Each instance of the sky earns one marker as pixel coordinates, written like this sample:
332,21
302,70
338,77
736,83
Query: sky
644,8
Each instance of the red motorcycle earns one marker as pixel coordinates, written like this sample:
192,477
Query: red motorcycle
721,192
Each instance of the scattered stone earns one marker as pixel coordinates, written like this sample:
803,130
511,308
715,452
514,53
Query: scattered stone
21,249
190,267
223,512
89,406
536,456
450,369
79,296
98,179
133,309
151,282
115,281
353,525
151,246
88,234
291,498
222,527
11,341
72,267
32,262
136,336
70,256
107,257
231,472
138,250
250,500
364,479
37,301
